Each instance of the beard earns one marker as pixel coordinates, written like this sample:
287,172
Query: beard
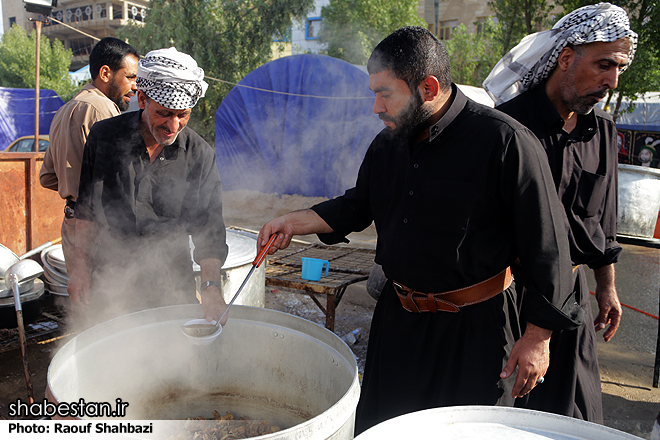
117,97
408,119
580,104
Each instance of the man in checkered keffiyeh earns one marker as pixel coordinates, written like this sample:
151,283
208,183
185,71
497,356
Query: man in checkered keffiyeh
531,61
171,78
551,83
149,184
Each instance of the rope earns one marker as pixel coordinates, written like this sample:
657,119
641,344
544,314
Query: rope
286,93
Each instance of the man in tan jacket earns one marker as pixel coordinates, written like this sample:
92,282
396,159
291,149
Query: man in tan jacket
113,67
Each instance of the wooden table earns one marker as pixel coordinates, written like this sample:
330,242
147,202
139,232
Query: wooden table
348,265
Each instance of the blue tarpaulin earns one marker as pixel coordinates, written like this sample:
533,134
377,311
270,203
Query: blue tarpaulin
296,125
17,113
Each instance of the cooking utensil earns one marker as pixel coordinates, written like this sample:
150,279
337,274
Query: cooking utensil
40,248
24,270
196,330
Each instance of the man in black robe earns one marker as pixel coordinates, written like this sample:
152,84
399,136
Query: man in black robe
147,183
560,90
458,192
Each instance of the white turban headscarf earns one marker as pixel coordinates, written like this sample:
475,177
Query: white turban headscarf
532,60
171,78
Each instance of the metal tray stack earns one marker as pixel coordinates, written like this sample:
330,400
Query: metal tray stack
57,278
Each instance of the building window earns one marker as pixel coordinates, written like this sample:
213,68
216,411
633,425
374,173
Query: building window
481,22
137,13
117,11
82,47
12,21
446,28
312,28
101,11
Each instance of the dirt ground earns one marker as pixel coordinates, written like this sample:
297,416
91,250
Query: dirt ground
630,401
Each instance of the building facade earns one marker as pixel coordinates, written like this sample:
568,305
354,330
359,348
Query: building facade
103,18
77,22
442,17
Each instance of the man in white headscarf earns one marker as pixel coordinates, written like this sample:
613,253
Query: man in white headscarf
147,183
551,83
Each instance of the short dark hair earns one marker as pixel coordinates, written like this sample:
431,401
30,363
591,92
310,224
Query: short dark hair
109,52
412,53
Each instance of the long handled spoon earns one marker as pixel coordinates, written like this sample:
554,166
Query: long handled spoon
195,330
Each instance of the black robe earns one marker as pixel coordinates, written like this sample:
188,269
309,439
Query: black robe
584,169
450,212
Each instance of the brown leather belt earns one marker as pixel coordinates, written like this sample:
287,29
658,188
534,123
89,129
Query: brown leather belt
453,300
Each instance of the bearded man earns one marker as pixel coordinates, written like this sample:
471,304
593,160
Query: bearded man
551,83
147,183
458,192
113,67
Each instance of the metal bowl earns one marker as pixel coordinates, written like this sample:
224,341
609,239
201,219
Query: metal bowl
7,259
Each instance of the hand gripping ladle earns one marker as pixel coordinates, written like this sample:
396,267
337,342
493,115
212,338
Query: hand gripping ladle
195,330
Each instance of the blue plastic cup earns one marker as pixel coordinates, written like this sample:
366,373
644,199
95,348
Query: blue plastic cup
312,268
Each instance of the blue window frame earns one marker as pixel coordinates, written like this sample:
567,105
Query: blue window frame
312,28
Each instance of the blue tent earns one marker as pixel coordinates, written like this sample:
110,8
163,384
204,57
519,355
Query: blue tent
296,125
17,113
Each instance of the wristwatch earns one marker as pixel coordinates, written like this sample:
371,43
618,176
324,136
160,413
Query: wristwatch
206,284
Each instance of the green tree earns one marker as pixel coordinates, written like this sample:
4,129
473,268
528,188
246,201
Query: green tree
472,56
352,28
518,18
643,75
18,63
227,38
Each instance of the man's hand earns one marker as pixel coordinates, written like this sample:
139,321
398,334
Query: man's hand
609,307
532,356
301,222
214,304
212,299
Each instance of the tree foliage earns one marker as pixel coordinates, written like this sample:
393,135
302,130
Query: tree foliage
352,28
18,63
472,56
643,75
227,38
518,18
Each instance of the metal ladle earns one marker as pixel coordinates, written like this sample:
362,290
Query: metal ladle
195,330
24,270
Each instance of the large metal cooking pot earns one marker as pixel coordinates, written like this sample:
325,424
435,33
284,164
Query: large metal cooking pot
266,365
242,251
639,200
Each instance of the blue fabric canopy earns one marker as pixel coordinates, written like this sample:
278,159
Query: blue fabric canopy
17,113
296,125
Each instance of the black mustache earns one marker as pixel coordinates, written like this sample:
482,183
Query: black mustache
385,117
